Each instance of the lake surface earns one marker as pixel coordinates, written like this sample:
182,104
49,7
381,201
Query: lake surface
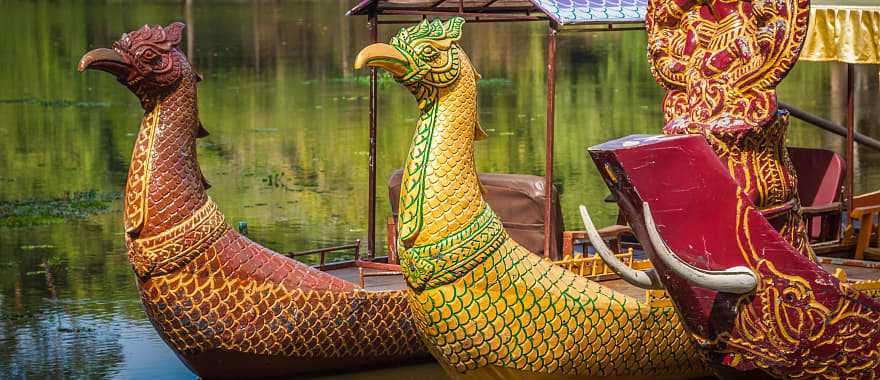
287,152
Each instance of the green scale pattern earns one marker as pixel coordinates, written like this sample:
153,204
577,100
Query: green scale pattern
517,311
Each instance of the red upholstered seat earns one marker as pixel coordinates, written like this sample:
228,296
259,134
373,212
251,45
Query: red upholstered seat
820,178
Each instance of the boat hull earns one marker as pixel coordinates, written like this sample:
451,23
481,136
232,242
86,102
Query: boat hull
240,310
225,364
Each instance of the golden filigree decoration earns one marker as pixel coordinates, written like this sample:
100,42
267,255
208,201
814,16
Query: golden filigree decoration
720,60
139,173
784,329
177,246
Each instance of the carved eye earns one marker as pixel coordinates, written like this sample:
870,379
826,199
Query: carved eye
791,294
149,55
428,51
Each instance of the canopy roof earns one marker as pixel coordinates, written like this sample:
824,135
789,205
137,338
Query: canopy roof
563,12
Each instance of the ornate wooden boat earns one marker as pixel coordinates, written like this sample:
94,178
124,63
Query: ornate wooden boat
484,305
716,199
229,307
747,296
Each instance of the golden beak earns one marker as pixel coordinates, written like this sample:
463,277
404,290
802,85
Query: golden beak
383,56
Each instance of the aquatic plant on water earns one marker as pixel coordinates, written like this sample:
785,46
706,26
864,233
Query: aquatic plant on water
31,212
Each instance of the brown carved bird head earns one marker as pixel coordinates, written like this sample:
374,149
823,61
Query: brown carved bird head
147,61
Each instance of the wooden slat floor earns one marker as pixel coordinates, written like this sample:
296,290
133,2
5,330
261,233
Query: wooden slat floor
397,283
854,273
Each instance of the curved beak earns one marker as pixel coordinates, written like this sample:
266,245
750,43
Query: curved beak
736,280
383,56
645,280
105,60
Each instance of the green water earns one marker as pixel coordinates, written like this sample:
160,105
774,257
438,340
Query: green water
287,151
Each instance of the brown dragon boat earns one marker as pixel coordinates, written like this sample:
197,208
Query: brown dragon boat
227,306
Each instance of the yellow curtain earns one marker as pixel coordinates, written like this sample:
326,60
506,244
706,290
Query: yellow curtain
845,33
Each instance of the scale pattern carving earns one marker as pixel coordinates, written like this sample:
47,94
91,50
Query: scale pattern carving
210,292
484,305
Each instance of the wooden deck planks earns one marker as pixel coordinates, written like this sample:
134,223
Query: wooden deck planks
854,273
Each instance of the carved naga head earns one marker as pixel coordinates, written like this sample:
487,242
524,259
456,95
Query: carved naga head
146,61
424,57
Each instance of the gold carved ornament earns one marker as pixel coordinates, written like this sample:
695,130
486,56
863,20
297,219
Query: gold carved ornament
177,246
784,329
720,60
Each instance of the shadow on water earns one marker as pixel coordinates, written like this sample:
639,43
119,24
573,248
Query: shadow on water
287,152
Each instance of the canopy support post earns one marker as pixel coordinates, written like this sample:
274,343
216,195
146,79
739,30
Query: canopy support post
190,33
548,162
371,222
850,136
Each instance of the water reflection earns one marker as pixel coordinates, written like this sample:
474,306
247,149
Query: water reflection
288,151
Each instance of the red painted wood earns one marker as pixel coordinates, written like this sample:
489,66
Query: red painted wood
697,207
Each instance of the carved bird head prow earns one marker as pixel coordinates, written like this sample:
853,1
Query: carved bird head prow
147,61
424,57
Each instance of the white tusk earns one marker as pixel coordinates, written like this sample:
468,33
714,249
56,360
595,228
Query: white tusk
644,280
736,280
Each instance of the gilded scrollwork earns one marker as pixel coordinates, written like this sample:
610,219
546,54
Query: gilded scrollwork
795,327
720,60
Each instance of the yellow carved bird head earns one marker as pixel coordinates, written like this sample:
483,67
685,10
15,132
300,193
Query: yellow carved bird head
423,57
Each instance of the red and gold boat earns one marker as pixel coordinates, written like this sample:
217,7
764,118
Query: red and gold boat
229,307
716,202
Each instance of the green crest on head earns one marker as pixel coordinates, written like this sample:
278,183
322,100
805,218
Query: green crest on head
453,28
431,54
429,30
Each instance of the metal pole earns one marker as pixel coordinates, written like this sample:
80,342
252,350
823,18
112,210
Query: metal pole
548,162
371,222
190,33
850,133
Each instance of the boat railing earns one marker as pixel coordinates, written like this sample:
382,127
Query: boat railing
594,268
379,269
866,212
830,126
657,298
362,274
384,269
322,252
